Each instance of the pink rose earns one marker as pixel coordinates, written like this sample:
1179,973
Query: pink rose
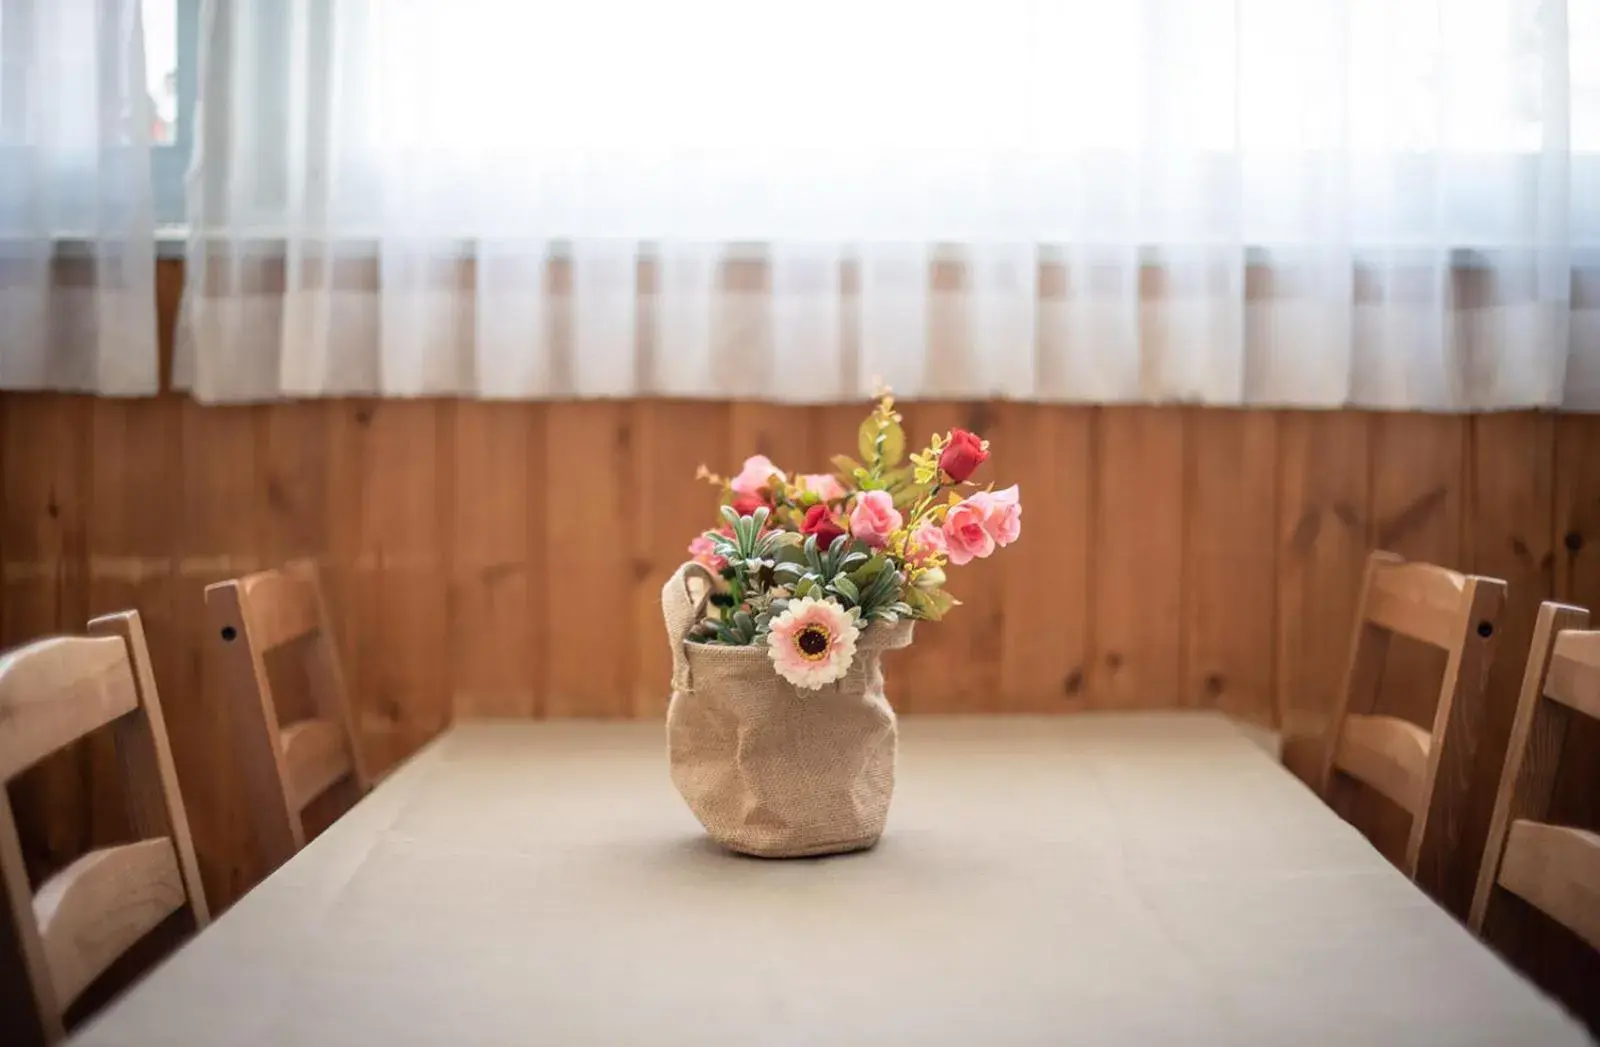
965,534
704,553
874,517
756,476
1002,514
925,541
825,486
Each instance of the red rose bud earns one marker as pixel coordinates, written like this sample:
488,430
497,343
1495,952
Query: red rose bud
962,456
747,504
820,523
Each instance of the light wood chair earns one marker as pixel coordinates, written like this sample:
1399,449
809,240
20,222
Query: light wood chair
1425,772
69,932
1528,863
285,765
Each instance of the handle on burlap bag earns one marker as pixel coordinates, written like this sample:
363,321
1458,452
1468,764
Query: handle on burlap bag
681,609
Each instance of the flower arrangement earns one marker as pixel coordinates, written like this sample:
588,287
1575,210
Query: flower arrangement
804,564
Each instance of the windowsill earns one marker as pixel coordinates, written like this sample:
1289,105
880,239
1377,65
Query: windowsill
172,242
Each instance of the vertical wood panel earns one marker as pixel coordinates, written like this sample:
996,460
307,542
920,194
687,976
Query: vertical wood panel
589,486
1322,541
1511,497
670,507
400,644
780,432
1045,643
45,476
220,529
1418,495
1560,961
294,475
1576,540
494,648
1230,560
1139,570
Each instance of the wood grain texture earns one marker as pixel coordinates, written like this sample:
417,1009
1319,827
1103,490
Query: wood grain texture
671,440
1045,656
1230,569
1323,514
1527,782
1139,571
467,550
93,911
1557,869
57,690
1574,678
589,487
144,754
315,756
497,597
1387,753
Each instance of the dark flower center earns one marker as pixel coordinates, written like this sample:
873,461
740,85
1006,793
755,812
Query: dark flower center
812,641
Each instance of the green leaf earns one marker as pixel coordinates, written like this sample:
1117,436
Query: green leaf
869,570
894,444
803,587
867,438
846,465
847,589
745,624
909,495
730,514
931,606
852,560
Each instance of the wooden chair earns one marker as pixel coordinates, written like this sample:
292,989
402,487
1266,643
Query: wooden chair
1427,773
1526,861
286,765
66,935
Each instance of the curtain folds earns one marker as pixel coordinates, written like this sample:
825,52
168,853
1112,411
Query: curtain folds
1384,203
77,233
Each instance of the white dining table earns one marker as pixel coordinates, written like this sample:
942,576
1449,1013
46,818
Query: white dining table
1090,879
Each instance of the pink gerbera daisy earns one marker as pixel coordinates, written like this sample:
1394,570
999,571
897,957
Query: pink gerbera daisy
812,643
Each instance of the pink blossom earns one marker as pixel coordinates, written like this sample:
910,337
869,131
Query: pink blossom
1002,514
926,540
965,534
704,553
825,486
874,517
756,476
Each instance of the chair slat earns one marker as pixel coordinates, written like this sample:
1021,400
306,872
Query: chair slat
315,756
282,609
95,908
1574,676
1419,601
285,765
55,691
1556,868
1387,753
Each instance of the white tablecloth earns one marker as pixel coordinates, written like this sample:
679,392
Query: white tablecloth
1096,879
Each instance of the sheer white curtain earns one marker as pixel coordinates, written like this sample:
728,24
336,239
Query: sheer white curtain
77,252
1317,202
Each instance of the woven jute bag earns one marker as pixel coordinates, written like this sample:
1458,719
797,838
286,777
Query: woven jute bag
769,769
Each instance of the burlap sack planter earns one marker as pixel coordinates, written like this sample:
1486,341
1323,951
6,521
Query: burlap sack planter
769,769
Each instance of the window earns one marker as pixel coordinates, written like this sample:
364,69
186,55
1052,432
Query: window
171,42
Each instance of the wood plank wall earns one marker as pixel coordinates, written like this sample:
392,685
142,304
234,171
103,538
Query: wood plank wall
506,559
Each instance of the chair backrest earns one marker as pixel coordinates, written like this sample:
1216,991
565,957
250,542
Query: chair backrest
1426,772
53,692
1526,860
285,764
